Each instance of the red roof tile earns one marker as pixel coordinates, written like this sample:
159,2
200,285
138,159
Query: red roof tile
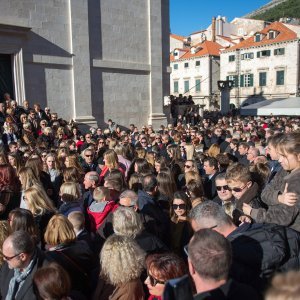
177,37
285,34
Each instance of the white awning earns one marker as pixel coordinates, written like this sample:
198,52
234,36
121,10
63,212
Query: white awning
279,107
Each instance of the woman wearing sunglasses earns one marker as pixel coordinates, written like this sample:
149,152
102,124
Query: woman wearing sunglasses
181,230
161,268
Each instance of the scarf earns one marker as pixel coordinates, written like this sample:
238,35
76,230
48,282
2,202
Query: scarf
18,279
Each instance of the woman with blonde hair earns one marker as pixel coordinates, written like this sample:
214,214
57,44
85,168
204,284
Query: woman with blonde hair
72,161
40,206
213,150
111,162
70,195
15,161
74,256
122,263
62,153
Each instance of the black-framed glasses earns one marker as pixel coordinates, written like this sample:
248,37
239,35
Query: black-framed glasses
238,190
187,166
224,187
87,155
178,206
153,281
10,257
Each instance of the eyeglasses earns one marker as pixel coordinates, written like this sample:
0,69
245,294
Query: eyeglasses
11,257
178,206
143,142
87,137
187,166
236,189
153,281
224,187
89,155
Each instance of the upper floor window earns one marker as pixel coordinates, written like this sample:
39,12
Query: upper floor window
272,34
280,77
197,63
249,55
257,37
279,51
231,58
186,65
175,66
264,53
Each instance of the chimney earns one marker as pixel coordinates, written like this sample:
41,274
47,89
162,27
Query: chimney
213,29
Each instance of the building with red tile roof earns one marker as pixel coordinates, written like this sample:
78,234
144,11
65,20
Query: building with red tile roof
263,66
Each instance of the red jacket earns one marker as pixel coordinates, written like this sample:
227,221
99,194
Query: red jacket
97,218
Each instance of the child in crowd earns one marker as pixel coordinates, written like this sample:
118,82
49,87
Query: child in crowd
100,207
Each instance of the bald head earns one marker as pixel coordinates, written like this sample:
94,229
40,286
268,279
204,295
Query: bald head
91,180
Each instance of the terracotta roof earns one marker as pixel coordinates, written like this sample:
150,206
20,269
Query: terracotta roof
177,37
207,48
285,34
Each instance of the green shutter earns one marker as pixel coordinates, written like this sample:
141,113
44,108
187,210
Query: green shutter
227,77
258,54
241,80
268,52
236,80
251,80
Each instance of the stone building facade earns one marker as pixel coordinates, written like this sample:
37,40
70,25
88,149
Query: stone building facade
90,60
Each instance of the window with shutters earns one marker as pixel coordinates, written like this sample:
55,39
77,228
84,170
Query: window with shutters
249,55
248,80
234,78
186,65
197,63
231,58
279,51
257,37
186,86
175,66
197,85
280,77
262,79
175,86
264,53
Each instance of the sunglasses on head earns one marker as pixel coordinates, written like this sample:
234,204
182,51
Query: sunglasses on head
178,206
224,187
153,281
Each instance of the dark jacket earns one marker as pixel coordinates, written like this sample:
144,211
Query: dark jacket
260,250
231,290
26,291
209,186
79,262
251,197
154,218
67,207
150,243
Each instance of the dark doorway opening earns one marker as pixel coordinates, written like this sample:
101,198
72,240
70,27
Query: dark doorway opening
6,76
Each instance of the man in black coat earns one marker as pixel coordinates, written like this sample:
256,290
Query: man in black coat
22,259
209,264
258,250
210,166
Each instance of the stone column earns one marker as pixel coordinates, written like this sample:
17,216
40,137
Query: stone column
79,32
156,115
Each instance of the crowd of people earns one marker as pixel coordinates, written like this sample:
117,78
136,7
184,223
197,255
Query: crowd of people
202,210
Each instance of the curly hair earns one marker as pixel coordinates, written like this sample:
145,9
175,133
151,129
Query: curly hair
121,259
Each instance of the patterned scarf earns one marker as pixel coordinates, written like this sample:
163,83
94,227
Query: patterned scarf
18,279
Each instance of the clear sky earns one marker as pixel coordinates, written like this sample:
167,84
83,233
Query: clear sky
193,15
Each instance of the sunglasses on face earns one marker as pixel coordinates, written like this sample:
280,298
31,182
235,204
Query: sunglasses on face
178,206
236,189
187,166
224,187
153,281
89,155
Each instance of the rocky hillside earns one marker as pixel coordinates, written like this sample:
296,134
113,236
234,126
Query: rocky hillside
277,9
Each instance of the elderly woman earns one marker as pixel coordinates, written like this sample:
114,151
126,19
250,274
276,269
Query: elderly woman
127,222
122,262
